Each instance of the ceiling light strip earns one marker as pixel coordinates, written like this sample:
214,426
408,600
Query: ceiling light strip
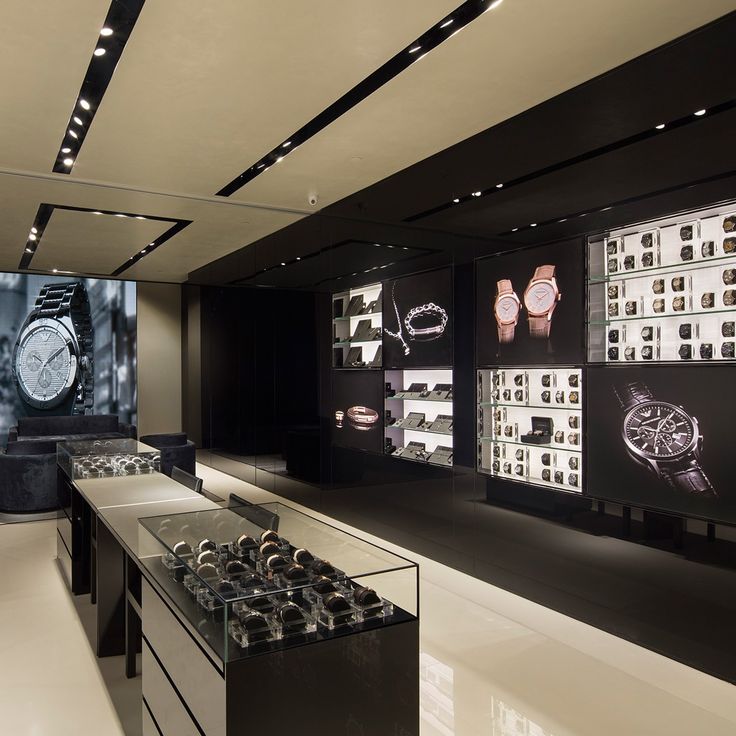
621,203
436,35
45,210
652,132
114,34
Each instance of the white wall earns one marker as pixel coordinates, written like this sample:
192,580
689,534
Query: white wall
159,358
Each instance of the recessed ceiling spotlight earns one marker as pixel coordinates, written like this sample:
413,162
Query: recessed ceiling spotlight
68,161
700,113
499,186
476,194
97,212
514,229
456,200
534,224
494,4
31,237
29,250
56,270
73,134
143,251
66,150
106,31
279,159
99,52
84,104
298,258
414,49
33,230
77,120
120,214
139,217
605,209
286,145
447,23
282,263
564,219
659,127
260,166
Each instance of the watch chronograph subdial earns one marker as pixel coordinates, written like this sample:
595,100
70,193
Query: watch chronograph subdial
33,361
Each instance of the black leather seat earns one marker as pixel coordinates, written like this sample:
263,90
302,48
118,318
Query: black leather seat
176,449
28,477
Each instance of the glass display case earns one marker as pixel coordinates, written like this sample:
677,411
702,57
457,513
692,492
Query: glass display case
357,328
664,290
418,416
254,579
107,458
530,425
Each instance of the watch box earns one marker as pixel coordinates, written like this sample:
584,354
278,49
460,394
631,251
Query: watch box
442,423
441,391
413,420
441,456
541,432
107,458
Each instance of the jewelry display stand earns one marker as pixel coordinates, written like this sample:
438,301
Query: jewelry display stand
357,327
530,425
419,415
664,290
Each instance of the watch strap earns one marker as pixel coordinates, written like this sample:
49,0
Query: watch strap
504,286
544,272
631,394
687,475
539,326
71,299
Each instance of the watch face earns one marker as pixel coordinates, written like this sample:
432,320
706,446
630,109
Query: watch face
686,232
686,331
647,260
45,367
658,305
658,286
647,333
659,430
612,247
729,224
613,309
686,253
728,329
540,297
629,263
678,303
708,248
507,309
729,276
613,336
612,265
729,245
729,297
647,240
613,292
630,308
707,300
678,283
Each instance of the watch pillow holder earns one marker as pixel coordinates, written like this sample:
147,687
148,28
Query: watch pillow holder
539,424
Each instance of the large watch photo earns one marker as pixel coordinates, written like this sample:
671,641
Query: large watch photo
664,438
52,357
540,299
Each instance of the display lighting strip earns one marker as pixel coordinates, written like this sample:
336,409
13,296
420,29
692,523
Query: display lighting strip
421,254
416,50
114,34
587,156
43,215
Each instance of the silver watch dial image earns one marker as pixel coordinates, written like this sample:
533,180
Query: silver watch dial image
44,365
658,438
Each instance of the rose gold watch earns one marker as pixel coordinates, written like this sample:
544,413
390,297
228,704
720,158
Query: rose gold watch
506,308
540,299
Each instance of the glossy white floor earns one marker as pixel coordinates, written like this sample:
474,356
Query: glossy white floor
493,664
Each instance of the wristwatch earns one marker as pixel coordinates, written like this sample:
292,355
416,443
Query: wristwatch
506,308
663,438
540,299
52,357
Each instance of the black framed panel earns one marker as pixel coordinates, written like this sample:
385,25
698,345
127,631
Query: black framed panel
418,320
659,438
530,306
357,410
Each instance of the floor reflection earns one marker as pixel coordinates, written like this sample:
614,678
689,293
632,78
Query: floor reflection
436,697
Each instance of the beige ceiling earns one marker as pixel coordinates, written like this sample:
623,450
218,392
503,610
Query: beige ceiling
203,90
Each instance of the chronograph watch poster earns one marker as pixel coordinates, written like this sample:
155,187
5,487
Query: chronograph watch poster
67,346
659,438
529,308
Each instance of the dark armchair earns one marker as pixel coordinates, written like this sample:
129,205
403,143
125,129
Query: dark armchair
77,427
176,449
28,477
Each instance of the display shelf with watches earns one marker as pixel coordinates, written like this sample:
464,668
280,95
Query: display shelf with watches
423,414
357,324
512,436
690,276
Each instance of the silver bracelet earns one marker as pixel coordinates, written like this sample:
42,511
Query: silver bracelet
426,333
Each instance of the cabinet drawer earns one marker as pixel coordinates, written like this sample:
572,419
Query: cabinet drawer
199,683
167,709
64,527
65,561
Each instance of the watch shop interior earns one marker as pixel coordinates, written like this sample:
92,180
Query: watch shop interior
367,369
